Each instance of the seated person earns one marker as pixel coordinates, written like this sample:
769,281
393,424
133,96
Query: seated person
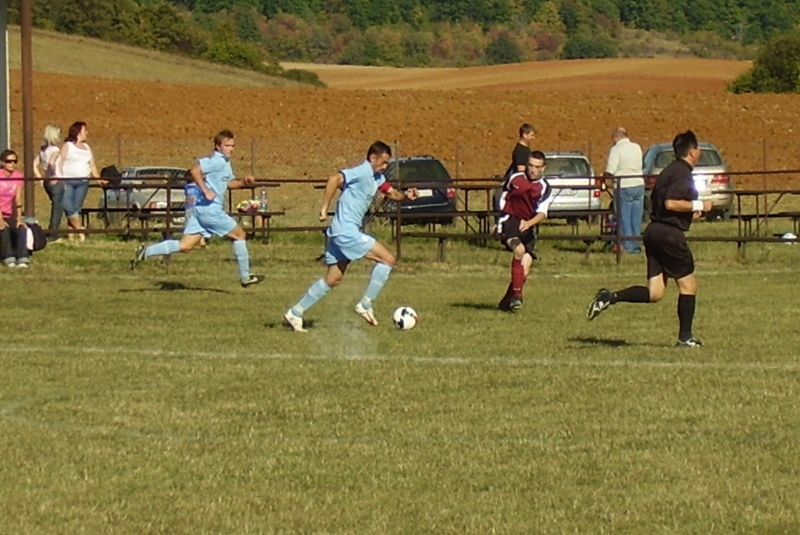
13,231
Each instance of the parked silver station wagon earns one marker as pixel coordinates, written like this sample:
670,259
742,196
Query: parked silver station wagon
710,175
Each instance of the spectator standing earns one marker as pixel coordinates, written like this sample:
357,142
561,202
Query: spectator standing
519,163
625,163
213,175
522,150
13,231
44,168
346,239
675,205
76,166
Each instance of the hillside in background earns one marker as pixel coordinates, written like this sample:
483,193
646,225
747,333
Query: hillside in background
68,54
257,34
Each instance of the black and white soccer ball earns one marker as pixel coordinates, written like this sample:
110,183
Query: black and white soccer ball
405,318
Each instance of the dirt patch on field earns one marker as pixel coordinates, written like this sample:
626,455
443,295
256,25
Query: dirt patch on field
618,75
470,123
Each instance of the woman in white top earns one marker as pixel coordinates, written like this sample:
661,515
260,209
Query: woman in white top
44,167
75,167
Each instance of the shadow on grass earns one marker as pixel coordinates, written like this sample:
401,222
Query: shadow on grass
594,341
475,306
307,324
169,286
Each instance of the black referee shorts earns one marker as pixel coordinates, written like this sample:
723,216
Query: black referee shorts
509,228
667,251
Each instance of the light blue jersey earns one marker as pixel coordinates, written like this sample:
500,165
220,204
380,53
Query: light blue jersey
360,185
218,172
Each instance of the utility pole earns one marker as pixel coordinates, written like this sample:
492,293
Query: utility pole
26,28
4,103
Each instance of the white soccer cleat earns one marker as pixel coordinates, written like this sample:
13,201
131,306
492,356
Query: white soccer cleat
367,313
295,322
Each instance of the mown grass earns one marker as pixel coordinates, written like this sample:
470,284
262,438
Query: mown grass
169,400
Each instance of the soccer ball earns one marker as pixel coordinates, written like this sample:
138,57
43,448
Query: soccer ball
404,318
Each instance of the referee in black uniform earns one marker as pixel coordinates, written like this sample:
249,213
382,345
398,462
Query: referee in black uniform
674,206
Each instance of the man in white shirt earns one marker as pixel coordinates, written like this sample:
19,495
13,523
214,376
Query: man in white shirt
625,163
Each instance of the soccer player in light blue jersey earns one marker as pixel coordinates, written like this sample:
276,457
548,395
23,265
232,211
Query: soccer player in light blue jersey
346,240
213,175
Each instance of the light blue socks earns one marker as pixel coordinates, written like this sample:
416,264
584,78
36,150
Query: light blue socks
380,274
163,248
317,291
242,258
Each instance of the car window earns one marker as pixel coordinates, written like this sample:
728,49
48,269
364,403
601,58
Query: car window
709,158
664,159
431,170
567,167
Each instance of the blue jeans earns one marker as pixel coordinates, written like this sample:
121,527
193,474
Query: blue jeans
13,243
631,206
56,194
74,194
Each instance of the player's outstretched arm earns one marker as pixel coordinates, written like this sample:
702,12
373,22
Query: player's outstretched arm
408,195
241,182
334,184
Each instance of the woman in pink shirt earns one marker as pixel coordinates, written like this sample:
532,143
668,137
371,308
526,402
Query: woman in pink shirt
13,232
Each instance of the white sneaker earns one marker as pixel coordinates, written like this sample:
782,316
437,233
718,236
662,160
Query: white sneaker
22,265
367,313
295,322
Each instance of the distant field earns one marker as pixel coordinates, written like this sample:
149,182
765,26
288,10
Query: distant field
82,56
621,74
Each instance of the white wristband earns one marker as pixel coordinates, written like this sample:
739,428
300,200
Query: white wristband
697,206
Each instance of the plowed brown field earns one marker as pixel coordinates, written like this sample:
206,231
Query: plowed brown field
468,117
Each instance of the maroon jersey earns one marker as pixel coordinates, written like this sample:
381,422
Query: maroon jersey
525,198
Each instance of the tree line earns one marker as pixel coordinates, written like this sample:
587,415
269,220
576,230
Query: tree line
257,34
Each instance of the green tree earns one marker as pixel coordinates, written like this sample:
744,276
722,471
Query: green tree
587,46
246,22
503,49
548,18
775,70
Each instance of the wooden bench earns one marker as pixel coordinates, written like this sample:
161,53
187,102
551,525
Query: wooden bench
264,228
747,220
443,237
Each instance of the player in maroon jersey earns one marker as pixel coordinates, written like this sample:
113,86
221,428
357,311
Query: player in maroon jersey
523,206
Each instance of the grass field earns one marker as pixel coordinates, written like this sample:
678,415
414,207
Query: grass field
169,400
83,56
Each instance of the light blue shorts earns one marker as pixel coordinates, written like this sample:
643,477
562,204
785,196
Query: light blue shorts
348,247
208,220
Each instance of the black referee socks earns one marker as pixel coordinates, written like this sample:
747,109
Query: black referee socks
634,294
685,315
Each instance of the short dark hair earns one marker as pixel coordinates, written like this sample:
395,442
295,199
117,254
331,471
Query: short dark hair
526,128
74,129
378,148
684,143
6,153
538,155
223,134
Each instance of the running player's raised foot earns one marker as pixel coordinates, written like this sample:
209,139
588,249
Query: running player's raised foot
367,313
600,302
294,321
691,342
138,256
254,279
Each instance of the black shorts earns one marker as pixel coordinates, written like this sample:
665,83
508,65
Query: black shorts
667,252
509,228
